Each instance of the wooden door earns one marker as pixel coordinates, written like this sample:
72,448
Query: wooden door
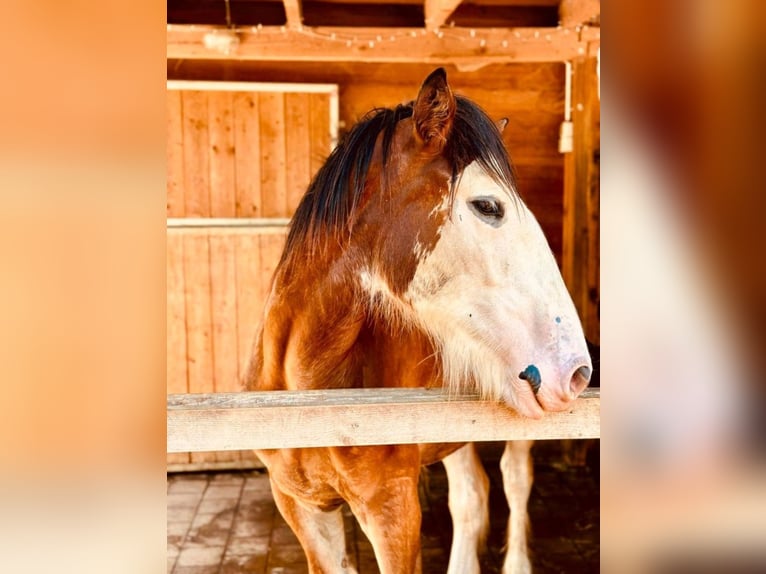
239,158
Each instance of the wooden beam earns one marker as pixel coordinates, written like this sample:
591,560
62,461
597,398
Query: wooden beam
580,226
579,12
466,48
437,12
294,13
241,421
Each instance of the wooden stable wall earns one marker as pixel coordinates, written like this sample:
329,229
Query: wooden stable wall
244,153
531,95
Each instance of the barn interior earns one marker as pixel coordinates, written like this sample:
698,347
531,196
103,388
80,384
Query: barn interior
291,77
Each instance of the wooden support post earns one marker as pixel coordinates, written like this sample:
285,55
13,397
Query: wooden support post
581,235
437,12
294,13
578,12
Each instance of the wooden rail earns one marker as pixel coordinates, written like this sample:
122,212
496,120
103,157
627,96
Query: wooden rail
356,417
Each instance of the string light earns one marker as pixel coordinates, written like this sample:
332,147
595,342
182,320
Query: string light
227,40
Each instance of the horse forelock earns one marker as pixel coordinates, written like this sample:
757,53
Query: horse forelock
325,214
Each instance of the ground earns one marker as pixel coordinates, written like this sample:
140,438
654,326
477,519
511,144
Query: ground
226,523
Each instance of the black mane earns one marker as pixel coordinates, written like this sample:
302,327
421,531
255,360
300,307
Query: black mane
333,195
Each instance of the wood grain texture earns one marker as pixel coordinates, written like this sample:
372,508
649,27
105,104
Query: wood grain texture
319,130
298,148
249,296
223,294
176,327
580,235
222,154
456,46
247,141
199,321
273,158
175,156
196,154
360,417
437,12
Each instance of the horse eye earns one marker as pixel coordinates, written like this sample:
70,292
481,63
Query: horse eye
489,208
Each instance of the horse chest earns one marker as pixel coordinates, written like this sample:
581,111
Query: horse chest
306,474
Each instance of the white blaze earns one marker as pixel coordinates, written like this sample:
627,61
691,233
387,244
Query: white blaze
492,297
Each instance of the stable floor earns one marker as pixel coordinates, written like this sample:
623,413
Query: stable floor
226,522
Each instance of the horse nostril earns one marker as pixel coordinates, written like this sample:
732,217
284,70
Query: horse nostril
580,380
532,375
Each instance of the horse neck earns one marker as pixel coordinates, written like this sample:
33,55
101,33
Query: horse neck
311,322
319,333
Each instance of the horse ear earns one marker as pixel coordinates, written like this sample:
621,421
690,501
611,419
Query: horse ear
434,110
502,124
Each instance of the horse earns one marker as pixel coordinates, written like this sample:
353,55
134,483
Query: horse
412,261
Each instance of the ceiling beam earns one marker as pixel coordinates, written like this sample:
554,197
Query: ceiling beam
579,12
294,13
437,12
467,49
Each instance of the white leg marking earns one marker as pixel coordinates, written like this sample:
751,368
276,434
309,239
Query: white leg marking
321,534
516,466
468,504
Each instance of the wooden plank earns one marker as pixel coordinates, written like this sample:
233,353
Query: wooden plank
175,357
469,49
579,12
294,13
199,322
175,156
223,293
320,132
298,148
437,12
249,295
196,157
271,251
273,158
222,155
227,222
227,86
580,258
251,462
248,151
235,421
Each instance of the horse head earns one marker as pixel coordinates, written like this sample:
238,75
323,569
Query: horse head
418,208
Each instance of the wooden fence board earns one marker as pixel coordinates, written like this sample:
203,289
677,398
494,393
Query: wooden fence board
359,417
199,322
248,145
196,154
298,147
223,293
175,156
176,332
222,155
273,162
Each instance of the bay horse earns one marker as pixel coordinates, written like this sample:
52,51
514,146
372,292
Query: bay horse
412,261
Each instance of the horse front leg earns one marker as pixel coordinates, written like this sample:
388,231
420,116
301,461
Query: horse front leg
382,491
516,466
469,508
320,533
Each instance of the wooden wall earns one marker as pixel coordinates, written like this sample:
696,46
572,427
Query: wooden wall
229,152
241,155
530,95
